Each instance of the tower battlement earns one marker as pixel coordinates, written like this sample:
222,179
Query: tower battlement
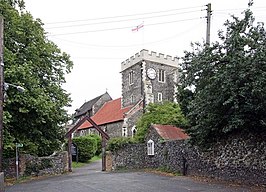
149,56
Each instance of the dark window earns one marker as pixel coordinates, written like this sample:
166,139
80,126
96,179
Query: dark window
130,77
161,76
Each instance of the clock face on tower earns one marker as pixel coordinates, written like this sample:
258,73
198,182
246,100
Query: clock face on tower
151,73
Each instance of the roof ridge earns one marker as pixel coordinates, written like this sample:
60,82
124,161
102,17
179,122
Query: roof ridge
170,132
110,112
87,105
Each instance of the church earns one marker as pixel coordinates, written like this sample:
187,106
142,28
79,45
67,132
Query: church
147,77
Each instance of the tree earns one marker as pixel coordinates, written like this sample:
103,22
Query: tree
166,113
229,78
184,97
35,117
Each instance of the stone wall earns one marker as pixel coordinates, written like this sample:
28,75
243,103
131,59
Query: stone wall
37,166
135,89
132,119
113,129
167,88
2,182
129,156
151,56
235,159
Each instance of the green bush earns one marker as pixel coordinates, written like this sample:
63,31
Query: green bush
98,146
117,143
160,113
87,147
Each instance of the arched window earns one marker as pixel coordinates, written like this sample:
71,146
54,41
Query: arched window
160,97
124,132
134,131
150,147
124,128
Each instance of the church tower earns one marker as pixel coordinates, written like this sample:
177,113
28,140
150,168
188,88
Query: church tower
150,77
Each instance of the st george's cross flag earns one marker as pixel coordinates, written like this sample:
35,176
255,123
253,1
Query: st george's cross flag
137,28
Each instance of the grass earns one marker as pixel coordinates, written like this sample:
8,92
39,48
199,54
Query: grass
79,164
12,181
166,170
95,158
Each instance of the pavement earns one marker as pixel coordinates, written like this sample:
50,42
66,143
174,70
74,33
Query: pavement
90,178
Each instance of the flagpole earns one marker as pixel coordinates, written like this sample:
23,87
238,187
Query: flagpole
142,37
136,29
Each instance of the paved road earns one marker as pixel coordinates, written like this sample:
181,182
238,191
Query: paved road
91,179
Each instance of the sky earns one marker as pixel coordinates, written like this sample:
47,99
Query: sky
98,34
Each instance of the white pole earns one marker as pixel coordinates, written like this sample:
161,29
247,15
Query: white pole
17,161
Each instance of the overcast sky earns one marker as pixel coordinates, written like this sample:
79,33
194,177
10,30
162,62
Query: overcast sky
98,34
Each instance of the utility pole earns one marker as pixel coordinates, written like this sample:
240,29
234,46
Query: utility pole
208,31
1,88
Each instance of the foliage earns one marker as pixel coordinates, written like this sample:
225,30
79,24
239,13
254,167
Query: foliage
229,78
166,169
118,142
184,97
166,113
87,147
95,158
77,165
98,147
36,116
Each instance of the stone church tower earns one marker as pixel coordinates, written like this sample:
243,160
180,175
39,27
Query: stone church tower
147,77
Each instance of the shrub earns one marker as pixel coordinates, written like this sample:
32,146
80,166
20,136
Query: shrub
87,147
160,113
98,147
117,143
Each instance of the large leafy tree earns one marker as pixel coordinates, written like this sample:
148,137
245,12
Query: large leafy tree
228,79
36,116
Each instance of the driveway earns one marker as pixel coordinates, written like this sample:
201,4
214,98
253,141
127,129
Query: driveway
91,179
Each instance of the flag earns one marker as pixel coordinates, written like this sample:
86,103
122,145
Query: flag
138,27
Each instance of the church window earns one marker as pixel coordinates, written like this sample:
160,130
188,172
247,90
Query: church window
150,147
130,77
124,132
82,133
134,131
161,76
160,97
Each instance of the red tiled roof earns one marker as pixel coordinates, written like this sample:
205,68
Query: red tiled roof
170,132
110,112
